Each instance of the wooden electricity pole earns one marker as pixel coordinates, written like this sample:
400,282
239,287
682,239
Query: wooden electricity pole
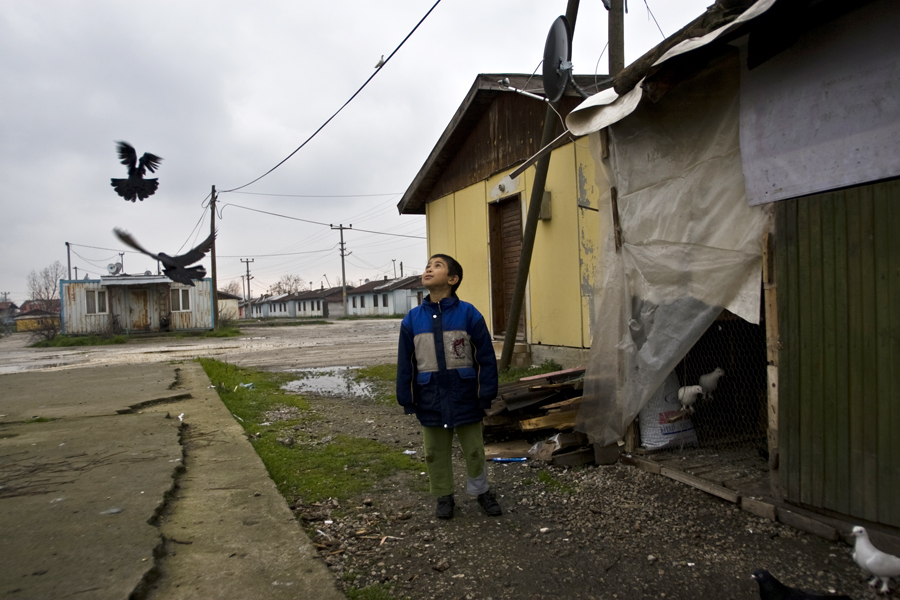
616,35
531,222
212,254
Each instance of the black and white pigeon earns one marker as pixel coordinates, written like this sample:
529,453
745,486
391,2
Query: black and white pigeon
772,589
175,268
136,187
881,565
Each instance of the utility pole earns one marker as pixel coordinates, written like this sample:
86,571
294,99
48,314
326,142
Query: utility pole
531,222
344,254
76,273
616,36
122,261
247,261
394,260
68,261
401,268
212,255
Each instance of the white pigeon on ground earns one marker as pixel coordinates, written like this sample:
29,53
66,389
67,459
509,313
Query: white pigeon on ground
710,382
875,562
687,395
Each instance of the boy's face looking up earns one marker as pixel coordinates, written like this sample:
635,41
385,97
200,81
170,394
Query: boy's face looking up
437,278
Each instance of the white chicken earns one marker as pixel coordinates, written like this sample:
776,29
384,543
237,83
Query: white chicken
710,382
875,562
687,395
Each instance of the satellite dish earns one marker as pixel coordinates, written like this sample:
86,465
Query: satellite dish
557,59
114,268
147,273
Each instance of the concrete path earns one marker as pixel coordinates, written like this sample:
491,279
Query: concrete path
115,497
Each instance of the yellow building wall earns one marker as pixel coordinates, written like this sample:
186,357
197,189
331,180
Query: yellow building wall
471,232
555,274
36,324
440,226
558,300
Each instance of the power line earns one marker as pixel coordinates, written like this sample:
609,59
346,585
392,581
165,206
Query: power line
265,212
317,195
355,94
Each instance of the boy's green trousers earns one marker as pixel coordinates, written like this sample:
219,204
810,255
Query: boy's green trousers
438,458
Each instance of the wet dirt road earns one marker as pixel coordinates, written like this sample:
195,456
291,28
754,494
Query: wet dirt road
358,343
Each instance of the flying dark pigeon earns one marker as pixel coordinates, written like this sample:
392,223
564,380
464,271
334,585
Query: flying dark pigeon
772,589
136,187
175,267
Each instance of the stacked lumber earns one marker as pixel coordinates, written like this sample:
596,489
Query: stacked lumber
536,407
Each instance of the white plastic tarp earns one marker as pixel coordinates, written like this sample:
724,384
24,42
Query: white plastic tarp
691,245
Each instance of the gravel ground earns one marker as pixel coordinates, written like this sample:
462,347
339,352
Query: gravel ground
591,533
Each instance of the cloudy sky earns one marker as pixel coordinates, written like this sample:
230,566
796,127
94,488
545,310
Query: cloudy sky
224,91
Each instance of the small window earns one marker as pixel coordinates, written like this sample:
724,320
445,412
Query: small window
384,300
362,301
180,300
95,302
419,297
375,300
318,305
354,301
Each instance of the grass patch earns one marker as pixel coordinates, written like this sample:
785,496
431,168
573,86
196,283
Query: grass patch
301,459
63,341
552,483
229,331
378,591
516,373
383,381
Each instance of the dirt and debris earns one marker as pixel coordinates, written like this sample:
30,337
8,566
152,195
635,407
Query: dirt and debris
566,533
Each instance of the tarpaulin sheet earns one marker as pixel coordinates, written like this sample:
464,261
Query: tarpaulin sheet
691,244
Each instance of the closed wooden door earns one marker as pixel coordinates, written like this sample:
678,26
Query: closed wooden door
506,250
139,310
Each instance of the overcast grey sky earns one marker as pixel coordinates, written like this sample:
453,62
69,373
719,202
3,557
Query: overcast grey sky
225,90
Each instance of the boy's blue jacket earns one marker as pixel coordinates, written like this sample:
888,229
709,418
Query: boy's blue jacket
446,368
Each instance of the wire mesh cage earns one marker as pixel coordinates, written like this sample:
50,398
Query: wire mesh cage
735,412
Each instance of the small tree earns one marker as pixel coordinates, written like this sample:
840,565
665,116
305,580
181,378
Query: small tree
288,284
43,285
234,288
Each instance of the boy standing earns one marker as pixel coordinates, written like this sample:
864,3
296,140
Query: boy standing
447,376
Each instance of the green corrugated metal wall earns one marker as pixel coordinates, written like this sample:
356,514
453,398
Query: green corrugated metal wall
838,289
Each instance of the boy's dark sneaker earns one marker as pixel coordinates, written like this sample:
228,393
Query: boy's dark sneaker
489,504
445,506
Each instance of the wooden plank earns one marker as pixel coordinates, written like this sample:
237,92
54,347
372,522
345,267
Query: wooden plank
803,523
583,456
856,391
894,270
701,484
759,508
870,359
787,273
841,441
570,404
828,373
804,400
883,366
514,449
815,450
554,374
563,420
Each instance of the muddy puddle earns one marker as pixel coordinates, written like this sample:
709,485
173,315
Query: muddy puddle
329,381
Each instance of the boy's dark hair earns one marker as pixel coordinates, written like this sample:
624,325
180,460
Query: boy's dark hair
453,268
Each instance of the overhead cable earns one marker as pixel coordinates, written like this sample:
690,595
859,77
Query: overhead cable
355,94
